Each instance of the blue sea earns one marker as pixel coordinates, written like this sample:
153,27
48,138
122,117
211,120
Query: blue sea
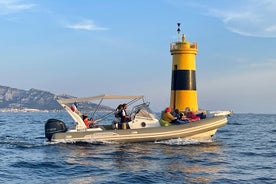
243,151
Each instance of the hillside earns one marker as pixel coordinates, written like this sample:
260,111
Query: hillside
12,99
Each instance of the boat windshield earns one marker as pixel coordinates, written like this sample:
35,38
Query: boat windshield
142,110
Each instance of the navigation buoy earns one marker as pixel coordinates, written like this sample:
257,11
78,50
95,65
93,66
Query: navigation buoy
183,83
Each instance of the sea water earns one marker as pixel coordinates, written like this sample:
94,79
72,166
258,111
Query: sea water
243,151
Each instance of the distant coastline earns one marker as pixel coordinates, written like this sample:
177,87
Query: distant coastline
39,110
27,110
35,100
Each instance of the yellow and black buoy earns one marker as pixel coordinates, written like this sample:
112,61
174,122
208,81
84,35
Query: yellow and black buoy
183,84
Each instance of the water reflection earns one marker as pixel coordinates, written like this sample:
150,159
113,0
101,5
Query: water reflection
192,163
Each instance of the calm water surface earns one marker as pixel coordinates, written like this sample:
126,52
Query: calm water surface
243,151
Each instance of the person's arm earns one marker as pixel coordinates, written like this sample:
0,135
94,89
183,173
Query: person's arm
95,121
171,117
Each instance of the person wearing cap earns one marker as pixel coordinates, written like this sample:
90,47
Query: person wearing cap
167,116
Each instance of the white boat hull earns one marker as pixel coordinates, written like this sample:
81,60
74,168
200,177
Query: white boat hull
202,129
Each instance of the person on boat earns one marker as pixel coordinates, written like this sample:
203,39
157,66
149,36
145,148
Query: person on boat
87,122
167,116
117,113
124,116
176,113
117,119
191,115
182,118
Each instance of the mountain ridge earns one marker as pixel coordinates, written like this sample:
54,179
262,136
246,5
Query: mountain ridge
14,99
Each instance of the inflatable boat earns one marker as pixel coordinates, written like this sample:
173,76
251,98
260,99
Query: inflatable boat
142,126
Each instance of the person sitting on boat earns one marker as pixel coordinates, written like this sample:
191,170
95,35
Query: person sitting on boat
167,116
176,113
191,115
87,122
124,116
182,118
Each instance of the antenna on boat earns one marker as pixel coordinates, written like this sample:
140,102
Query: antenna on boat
178,31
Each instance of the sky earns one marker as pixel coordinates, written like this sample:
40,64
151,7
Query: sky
88,47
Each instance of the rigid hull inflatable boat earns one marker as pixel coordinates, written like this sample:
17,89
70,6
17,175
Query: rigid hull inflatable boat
143,126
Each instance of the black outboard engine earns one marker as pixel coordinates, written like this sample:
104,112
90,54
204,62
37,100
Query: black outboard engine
53,126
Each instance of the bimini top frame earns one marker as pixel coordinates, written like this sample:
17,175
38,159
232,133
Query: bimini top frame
76,115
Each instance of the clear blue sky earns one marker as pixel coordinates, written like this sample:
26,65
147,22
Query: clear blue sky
87,48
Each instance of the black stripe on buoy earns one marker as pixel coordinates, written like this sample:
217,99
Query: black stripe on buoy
183,80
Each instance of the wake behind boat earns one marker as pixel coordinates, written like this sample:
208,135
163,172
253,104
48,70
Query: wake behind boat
143,126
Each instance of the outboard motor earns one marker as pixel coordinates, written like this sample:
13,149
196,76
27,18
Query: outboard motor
53,126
